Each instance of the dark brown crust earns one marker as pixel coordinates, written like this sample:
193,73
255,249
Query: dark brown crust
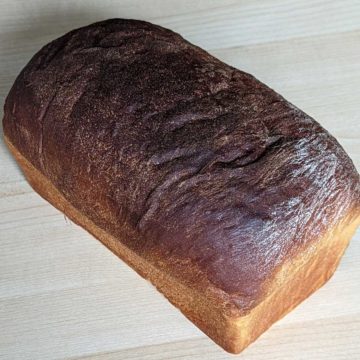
211,175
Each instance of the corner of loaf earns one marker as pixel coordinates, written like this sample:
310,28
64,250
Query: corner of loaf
296,280
234,203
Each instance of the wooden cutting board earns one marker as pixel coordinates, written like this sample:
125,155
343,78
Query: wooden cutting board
64,295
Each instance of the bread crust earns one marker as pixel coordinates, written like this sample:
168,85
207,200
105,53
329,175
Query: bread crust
208,183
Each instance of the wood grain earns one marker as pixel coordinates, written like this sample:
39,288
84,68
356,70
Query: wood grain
63,295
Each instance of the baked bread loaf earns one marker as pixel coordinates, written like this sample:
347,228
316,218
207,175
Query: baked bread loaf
234,203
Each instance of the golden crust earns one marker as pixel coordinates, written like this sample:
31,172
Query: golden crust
293,282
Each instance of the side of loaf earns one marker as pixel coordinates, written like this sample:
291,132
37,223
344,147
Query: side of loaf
235,204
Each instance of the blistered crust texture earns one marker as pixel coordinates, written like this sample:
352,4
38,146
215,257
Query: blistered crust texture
213,176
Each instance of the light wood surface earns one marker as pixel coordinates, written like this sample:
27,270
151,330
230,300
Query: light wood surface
64,295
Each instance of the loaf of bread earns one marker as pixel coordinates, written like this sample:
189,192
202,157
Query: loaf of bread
234,203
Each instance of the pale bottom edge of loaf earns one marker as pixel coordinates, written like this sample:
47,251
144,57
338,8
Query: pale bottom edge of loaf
294,282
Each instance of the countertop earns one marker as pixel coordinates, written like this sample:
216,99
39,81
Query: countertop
64,295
